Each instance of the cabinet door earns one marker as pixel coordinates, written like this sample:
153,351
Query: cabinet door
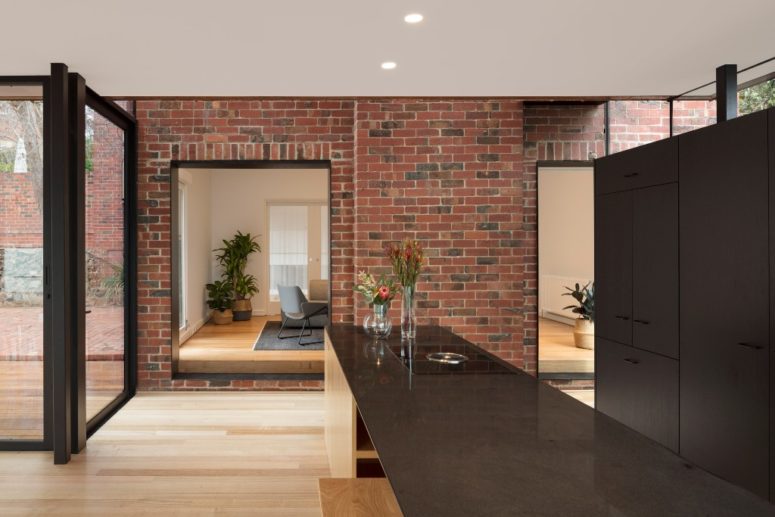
639,389
613,266
725,300
655,270
651,164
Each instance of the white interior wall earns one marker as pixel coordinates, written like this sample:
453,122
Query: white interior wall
239,200
565,236
198,246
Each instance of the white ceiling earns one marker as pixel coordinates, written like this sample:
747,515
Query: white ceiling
544,48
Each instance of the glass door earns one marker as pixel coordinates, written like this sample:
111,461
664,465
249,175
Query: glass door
108,260
25,415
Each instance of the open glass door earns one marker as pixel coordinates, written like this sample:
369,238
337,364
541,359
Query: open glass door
25,378
109,236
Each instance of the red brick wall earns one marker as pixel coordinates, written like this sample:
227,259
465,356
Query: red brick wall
21,220
451,173
448,173
232,130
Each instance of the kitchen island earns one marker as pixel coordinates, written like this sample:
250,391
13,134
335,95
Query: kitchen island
484,438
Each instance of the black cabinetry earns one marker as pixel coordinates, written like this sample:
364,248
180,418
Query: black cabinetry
725,283
691,365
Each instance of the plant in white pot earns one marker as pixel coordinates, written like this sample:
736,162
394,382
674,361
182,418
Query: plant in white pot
584,329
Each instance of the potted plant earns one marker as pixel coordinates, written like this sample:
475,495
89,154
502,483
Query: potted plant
233,258
584,329
219,299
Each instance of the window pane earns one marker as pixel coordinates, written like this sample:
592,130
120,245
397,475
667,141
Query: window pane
324,237
104,262
287,246
21,268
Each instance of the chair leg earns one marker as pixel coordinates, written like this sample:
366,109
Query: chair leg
303,326
308,322
280,336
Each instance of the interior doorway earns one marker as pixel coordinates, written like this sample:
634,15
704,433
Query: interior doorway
281,210
565,261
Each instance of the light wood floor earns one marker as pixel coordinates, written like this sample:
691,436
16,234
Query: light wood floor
229,349
557,353
183,454
21,395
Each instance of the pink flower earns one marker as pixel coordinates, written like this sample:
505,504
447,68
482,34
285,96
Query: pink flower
384,292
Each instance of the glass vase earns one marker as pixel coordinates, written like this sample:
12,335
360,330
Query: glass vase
408,317
377,322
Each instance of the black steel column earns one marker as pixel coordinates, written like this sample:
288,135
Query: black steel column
77,107
60,267
726,92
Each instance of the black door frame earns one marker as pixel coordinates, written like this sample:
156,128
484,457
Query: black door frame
65,97
175,166
556,164
127,122
46,443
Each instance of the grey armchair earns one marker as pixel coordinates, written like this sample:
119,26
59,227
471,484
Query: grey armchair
295,307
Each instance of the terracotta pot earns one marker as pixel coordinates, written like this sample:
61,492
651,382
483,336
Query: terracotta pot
222,317
243,310
584,334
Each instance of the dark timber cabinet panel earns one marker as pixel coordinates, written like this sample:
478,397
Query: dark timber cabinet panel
725,283
645,166
692,365
639,389
655,270
613,254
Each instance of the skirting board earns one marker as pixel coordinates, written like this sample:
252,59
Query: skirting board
192,329
549,315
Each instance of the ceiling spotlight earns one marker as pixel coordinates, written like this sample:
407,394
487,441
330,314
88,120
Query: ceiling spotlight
413,18
388,65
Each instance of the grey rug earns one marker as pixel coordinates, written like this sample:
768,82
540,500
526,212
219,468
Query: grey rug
268,339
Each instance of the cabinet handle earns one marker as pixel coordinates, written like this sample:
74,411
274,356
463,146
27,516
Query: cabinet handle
642,322
751,345
632,361
631,175
619,317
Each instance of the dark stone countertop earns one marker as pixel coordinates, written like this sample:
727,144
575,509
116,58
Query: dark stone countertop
506,444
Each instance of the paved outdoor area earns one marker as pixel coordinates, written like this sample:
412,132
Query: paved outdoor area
21,334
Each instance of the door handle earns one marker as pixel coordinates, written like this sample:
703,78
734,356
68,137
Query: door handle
620,317
88,311
631,361
631,175
642,322
751,345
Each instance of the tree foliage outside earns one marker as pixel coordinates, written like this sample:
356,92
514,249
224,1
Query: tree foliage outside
757,98
24,119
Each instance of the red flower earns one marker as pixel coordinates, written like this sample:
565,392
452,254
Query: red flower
384,292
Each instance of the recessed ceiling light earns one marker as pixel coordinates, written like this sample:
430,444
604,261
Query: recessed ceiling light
388,65
413,18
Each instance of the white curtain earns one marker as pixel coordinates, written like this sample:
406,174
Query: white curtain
288,237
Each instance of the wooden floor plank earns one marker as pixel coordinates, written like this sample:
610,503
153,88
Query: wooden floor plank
557,353
229,349
183,454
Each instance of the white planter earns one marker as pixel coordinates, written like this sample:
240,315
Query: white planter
584,334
